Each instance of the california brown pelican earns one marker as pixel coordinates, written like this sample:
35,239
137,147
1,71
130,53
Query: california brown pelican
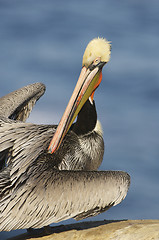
38,188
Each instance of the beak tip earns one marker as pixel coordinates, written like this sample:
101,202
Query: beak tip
50,149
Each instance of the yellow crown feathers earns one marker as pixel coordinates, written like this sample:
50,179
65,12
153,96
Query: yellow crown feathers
98,47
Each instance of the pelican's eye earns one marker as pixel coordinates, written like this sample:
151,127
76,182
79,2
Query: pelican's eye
96,61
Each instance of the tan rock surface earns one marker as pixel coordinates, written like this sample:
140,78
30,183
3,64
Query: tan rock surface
103,230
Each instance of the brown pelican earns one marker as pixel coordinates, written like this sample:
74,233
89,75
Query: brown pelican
38,188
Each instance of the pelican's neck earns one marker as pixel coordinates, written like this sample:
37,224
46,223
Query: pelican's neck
86,119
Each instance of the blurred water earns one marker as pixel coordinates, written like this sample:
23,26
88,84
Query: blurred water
43,41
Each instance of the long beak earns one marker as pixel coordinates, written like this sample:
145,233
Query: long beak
86,85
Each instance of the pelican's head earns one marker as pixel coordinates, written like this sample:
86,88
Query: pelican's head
98,48
96,55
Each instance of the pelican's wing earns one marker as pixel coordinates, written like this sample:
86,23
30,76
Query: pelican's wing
22,143
44,196
17,105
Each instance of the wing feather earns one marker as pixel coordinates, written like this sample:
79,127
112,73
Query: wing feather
17,105
53,196
23,142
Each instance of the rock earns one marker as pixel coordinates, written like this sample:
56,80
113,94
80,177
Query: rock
103,230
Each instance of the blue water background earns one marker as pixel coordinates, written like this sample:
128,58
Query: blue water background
43,41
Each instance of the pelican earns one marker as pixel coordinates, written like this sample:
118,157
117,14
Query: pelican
38,188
